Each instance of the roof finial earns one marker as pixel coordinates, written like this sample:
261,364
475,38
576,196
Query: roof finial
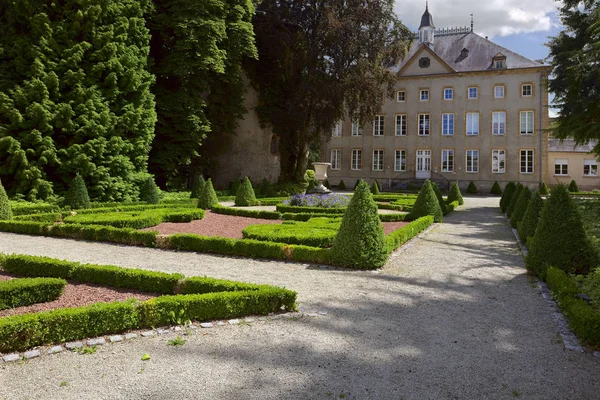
471,22
426,5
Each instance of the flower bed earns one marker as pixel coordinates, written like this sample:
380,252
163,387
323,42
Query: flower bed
318,200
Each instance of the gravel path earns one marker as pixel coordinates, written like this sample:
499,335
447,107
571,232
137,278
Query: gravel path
453,316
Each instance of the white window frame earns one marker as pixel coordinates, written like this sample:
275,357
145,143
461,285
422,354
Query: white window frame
426,127
473,166
593,168
337,129
499,64
563,166
451,91
526,124
476,89
378,160
496,94
424,95
447,124
400,160
356,160
335,159
526,85
401,98
498,124
498,161
356,130
379,125
447,164
527,167
473,130
401,124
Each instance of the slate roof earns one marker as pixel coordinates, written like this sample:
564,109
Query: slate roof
479,58
426,19
568,145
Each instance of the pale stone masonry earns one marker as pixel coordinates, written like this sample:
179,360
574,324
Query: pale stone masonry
465,109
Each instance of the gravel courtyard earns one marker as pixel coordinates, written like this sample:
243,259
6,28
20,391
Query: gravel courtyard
452,316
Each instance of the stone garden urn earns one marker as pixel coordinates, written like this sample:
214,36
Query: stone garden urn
320,176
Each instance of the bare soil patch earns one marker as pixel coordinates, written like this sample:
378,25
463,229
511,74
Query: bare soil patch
389,227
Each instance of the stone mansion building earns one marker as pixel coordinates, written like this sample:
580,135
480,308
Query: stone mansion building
465,109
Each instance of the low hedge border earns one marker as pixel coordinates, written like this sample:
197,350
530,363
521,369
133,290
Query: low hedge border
404,234
389,206
29,208
451,207
312,210
393,197
241,212
583,319
297,233
145,218
392,217
26,291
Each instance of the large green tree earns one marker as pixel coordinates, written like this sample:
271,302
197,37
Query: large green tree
320,60
75,96
197,49
575,54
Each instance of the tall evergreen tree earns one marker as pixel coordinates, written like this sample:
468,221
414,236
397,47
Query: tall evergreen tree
74,96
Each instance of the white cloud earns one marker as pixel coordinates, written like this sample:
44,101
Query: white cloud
492,17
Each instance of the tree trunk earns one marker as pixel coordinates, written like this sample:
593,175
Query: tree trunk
301,162
287,163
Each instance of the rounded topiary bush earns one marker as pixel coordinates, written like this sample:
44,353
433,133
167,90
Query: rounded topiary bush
77,196
573,188
207,197
560,240
149,191
341,185
360,241
520,207
197,186
472,189
5,210
496,189
544,189
245,194
438,195
513,200
455,195
531,217
426,204
375,187
509,190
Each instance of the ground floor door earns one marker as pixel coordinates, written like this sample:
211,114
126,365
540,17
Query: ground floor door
423,169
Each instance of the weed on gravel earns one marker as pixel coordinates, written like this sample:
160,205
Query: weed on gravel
178,341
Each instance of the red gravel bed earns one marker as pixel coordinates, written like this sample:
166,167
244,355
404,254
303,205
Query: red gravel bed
212,224
77,295
389,227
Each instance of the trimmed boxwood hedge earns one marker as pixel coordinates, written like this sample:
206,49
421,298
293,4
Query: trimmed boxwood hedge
137,219
242,212
5,209
305,233
404,234
26,291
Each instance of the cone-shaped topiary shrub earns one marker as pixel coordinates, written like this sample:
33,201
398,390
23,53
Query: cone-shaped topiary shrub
375,187
426,204
496,189
520,207
359,242
513,200
207,197
77,196
531,217
245,194
341,185
509,190
149,191
560,240
358,181
438,195
472,189
544,189
5,210
454,194
197,186
573,188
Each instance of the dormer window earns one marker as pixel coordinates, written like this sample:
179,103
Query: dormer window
464,53
499,61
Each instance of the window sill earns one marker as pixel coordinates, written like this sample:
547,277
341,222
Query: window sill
590,176
562,176
498,172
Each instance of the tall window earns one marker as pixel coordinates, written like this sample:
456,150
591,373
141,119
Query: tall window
423,124
472,161
499,92
447,160
356,129
400,160
424,94
448,124
590,168
561,166
378,125
337,129
400,96
472,123
498,161
526,90
527,161
472,92
499,123
401,125
336,159
526,122
377,160
448,94
356,163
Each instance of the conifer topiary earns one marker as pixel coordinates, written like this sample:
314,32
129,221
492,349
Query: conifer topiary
5,210
245,194
341,185
573,188
531,217
197,186
360,241
472,189
77,196
454,194
509,190
375,188
438,195
520,207
560,240
358,181
426,204
496,189
544,189
513,200
207,197
149,191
